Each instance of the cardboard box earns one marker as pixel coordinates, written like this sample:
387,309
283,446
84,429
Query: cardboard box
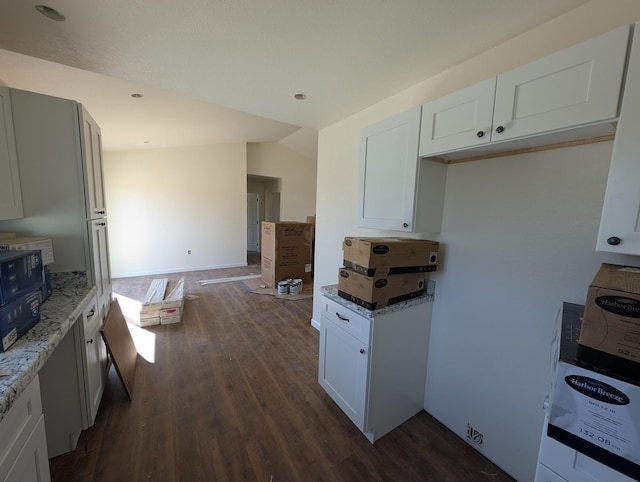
18,316
20,272
381,256
374,292
45,245
286,251
611,321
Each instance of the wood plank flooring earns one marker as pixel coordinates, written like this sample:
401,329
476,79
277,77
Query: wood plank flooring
232,395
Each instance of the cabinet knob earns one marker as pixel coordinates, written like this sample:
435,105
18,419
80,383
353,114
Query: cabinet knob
613,241
362,350
499,129
480,133
90,341
405,225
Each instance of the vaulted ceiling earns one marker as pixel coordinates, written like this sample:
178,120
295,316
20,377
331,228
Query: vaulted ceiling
215,71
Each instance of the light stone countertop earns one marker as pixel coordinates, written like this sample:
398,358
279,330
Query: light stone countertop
331,292
24,359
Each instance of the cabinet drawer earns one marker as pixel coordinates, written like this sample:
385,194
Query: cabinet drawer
352,322
19,423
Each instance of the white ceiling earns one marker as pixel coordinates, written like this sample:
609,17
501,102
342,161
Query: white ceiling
215,71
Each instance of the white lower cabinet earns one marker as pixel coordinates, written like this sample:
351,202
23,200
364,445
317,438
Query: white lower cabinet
95,361
23,445
374,366
72,381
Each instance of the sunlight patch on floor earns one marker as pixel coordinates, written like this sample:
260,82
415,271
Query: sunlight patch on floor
144,340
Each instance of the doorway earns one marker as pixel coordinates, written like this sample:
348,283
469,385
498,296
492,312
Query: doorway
253,221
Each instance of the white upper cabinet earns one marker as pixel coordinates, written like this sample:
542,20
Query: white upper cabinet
397,191
91,141
10,194
576,86
458,120
571,94
620,222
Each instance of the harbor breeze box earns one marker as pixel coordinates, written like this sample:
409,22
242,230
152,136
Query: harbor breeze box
158,309
383,256
373,292
286,251
611,321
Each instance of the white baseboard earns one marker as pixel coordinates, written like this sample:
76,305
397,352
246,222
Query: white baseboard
177,270
315,324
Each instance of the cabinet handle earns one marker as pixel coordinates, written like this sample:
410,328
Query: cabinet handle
362,350
90,341
499,129
613,241
342,317
90,314
405,225
480,133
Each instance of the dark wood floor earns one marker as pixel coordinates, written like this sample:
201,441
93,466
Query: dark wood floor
232,395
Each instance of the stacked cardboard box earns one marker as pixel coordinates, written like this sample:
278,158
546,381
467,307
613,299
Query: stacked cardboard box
45,245
379,272
158,309
286,251
11,242
21,279
610,333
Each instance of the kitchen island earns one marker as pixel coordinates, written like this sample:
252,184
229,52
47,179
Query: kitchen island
24,359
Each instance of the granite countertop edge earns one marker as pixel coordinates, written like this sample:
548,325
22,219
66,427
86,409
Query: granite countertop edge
24,359
331,292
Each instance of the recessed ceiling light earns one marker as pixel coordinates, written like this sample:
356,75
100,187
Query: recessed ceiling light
136,96
51,13
300,96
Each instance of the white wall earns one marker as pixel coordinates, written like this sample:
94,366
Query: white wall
298,174
518,238
163,202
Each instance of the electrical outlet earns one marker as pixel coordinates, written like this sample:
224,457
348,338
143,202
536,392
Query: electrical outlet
474,437
189,252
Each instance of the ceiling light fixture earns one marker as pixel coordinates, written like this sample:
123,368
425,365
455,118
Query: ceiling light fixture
300,96
51,13
136,96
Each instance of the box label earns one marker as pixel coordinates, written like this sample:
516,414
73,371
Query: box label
9,339
598,416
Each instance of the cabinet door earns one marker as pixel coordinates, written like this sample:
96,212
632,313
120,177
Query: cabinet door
388,169
10,194
576,86
95,352
32,463
91,140
62,392
343,370
620,221
458,120
101,270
